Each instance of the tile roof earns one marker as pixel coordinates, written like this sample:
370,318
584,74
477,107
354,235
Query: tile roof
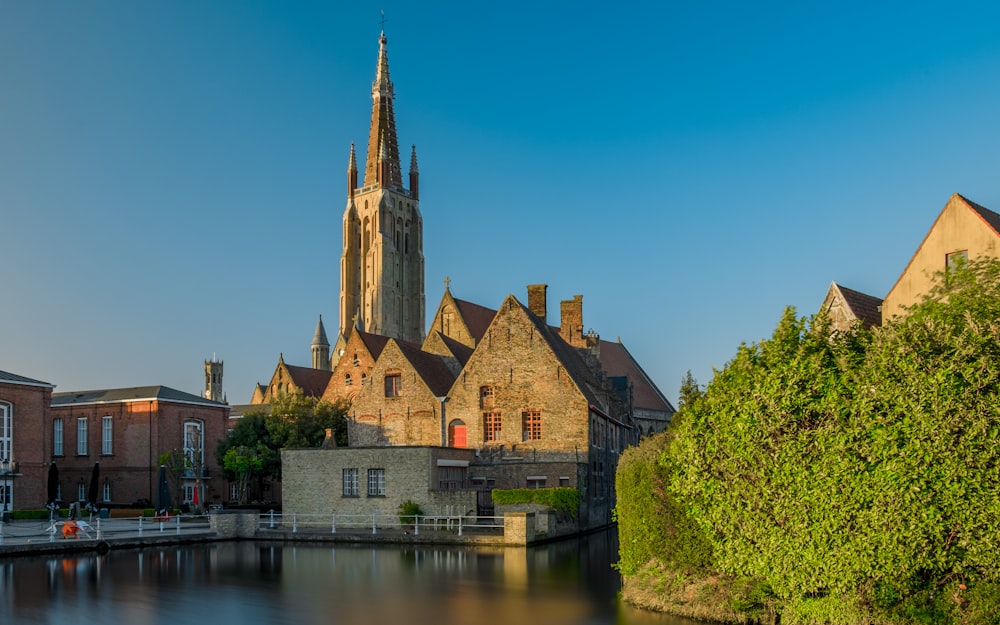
460,351
136,393
867,308
312,381
431,368
374,342
477,318
992,219
13,378
618,361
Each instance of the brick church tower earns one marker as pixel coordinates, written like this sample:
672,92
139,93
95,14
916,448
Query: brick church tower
382,265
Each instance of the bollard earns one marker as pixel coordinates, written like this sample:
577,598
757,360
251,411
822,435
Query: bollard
416,526
373,524
178,517
1,533
140,526
334,525
271,514
295,522
460,525
100,534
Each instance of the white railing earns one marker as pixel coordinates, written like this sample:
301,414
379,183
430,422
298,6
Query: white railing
375,522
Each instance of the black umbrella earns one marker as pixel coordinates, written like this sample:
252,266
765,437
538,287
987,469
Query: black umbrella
164,505
95,477
53,489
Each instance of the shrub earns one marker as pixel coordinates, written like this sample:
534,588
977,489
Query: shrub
408,512
562,499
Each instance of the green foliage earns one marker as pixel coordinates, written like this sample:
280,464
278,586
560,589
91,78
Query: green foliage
854,474
294,421
408,511
690,391
562,499
25,515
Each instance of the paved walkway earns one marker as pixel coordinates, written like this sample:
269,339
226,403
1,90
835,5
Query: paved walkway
41,536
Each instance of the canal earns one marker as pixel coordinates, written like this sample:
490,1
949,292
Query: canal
569,582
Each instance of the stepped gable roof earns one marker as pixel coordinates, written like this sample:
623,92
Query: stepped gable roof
135,393
460,351
13,378
992,219
477,318
867,308
568,356
312,381
616,361
430,367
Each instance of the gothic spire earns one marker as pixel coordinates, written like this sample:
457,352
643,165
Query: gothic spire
383,126
352,173
414,175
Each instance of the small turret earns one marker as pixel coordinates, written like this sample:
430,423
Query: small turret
352,174
320,348
414,175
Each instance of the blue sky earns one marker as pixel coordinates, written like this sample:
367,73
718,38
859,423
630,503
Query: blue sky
173,174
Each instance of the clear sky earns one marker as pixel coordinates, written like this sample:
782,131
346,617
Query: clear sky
173,173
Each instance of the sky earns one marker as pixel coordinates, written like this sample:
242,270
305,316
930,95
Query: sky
173,173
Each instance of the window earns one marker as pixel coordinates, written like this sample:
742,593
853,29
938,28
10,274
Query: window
6,439
563,482
956,259
451,478
376,482
57,437
492,421
107,436
106,495
188,492
81,436
393,385
347,380
485,397
536,481
81,491
194,447
531,425
350,482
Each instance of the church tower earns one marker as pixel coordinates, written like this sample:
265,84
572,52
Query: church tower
382,265
320,348
213,380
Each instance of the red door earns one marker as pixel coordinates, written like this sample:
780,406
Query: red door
456,434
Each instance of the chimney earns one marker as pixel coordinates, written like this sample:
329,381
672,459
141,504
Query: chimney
536,300
571,326
329,442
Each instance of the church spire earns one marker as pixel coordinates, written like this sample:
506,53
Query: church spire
414,175
320,347
383,128
352,173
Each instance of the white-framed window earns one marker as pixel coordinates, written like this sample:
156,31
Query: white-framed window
107,436
350,482
106,491
536,481
194,446
81,436
234,491
81,491
57,437
188,492
376,482
6,436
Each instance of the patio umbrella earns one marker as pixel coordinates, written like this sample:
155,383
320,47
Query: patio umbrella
163,504
53,491
194,499
95,477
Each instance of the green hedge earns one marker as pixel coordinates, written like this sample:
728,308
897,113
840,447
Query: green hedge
562,499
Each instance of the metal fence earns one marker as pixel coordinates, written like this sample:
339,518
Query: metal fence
375,523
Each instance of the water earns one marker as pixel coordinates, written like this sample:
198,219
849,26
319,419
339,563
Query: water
569,582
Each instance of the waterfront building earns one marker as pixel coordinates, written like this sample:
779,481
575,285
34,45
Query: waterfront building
25,404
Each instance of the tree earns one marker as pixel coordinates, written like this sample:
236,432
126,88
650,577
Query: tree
690,390
851,476
291,421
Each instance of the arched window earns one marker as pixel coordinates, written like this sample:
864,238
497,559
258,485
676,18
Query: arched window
347,380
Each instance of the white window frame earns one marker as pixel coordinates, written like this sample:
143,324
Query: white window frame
6,435
106,491
194,446
350,482
376,482
107,435
57,437
81,491
81,436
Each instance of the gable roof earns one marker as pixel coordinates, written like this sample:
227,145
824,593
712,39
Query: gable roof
13,378
459,350
135,393
312,381
477,318
867,308
992,219
374,343
430,367
616,361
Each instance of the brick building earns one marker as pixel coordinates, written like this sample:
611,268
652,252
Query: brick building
24,450
127,430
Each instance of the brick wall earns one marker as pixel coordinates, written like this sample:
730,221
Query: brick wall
29,407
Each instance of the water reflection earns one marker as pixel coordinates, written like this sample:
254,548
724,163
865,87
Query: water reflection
569,582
